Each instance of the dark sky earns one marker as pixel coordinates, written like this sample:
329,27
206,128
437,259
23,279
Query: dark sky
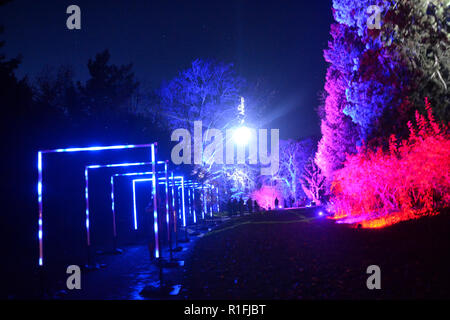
280,41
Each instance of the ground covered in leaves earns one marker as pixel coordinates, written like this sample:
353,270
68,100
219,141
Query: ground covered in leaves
293,255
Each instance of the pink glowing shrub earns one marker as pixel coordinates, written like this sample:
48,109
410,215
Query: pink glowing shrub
409,180
266,195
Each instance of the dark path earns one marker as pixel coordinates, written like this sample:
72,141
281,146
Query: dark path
125,276
284,256
287,255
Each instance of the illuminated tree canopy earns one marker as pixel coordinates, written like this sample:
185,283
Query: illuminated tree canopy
378,77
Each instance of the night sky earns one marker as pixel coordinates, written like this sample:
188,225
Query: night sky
279,41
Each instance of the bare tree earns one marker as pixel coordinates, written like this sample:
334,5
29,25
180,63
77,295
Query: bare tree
208,91
312,181
293,158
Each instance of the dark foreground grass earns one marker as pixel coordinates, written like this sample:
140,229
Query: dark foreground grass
289,255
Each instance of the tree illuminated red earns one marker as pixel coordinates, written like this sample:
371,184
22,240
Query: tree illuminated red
411,179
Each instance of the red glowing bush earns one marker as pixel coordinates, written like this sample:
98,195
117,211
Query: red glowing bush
410,180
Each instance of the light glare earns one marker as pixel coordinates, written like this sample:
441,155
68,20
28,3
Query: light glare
241,135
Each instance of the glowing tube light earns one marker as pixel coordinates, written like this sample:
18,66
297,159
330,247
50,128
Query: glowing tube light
39,190
180,216
134,194
183,203
134,205
193,200
113,208
172,177
40,184
134,199
174,212
210,203
189,202
115,165
112,197
218,202
167,195
155,204
86,195
210,206
86,173
118,147
135,174
204,202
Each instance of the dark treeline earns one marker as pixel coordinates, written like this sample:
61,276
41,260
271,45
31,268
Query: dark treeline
55,111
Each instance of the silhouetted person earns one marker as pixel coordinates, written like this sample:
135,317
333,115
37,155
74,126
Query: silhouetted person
241,206
303,202
198,206
229,207
235,206
256,206
250,205
276,203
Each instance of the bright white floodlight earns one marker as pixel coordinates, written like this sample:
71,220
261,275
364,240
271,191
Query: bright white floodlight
242,135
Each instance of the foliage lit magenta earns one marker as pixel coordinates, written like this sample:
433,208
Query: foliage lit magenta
409,180
266,197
